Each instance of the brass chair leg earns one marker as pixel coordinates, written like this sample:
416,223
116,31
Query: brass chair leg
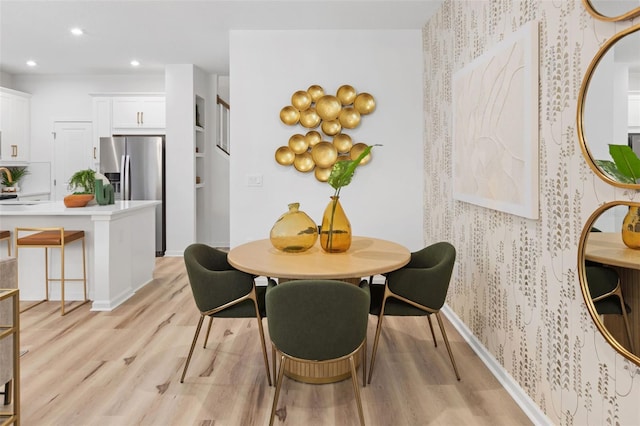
283,361
364,363
274,361
46,273
206,338
254,297
61,279
625,318
356,390
375,346
435,342
264,350
84,268
446,342
377,337
193,345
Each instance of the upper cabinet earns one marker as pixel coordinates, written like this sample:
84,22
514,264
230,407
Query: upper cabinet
138,113
14,126
126,114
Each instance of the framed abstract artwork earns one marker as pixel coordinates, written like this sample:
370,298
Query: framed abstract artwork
495,127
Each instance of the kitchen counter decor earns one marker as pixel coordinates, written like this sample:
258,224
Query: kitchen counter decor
10,183
77,200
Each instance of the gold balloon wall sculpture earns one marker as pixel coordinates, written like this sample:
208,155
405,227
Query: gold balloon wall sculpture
324,119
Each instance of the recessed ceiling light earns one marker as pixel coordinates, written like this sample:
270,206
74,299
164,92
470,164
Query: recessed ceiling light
31,63
77,31
135,63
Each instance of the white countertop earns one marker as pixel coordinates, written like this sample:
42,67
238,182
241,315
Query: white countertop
57,208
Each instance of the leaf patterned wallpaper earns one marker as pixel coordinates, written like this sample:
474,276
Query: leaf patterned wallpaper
515,284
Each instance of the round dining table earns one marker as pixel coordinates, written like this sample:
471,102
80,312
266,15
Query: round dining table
366,257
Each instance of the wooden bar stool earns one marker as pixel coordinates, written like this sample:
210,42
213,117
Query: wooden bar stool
6,236
53,238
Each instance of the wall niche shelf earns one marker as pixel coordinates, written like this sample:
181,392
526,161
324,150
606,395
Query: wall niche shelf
200,138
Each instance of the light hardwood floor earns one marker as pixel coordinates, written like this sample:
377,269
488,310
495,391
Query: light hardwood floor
123,368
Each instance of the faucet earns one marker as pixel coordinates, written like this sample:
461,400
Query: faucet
8,173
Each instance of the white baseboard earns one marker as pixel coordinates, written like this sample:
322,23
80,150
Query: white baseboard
521,398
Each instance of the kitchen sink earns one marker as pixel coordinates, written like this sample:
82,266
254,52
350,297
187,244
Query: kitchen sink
8,196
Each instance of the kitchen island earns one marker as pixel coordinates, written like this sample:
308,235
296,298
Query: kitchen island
120,241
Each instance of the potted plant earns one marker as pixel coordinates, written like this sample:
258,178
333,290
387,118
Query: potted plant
17,173
83,185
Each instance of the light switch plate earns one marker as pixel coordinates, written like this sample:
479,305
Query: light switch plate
254,180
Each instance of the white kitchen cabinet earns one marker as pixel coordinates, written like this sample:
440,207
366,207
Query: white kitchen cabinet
14,126
101,124
139,112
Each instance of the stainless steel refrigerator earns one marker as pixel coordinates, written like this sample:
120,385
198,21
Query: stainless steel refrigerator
135,166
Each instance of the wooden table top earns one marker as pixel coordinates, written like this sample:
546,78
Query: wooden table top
365,257
607,248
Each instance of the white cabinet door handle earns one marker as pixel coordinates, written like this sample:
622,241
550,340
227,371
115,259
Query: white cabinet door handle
142,117
137,118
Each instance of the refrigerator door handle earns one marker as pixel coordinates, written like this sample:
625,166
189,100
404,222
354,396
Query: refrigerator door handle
126,172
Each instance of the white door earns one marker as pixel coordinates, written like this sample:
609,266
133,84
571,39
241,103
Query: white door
72,152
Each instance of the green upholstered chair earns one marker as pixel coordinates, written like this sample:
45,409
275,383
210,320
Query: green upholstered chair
318,321
417,289
605,291
220,290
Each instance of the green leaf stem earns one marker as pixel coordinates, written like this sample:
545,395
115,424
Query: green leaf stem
626,161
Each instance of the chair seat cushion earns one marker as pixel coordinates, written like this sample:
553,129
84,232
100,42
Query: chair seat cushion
4,234
393,307
49,238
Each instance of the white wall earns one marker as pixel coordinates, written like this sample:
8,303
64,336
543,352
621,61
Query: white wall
223,87
179,151
515,287
220,178
6,80
384,199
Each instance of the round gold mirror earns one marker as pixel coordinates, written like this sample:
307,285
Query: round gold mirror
609,274
605,107
613,10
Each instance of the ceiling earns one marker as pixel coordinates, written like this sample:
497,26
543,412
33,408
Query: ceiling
171,31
